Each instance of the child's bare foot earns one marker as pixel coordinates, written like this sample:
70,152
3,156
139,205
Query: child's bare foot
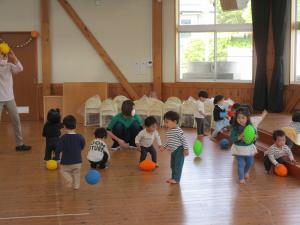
247,176
242,181
172,181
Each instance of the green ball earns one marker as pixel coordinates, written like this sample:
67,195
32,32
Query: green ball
197,147
249,134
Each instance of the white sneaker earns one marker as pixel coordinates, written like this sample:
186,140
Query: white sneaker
132,147
116,148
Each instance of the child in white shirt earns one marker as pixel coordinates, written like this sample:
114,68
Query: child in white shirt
200,114
144,140
98,154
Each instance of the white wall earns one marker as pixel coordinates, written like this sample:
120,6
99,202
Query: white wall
123,27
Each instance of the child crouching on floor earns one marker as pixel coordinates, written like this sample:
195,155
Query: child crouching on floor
144,140
176,143
279,152
98,154
244,153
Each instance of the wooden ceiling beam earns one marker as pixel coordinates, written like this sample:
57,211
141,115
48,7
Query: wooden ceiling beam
99,49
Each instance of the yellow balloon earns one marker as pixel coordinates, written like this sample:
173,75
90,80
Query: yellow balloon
4,48
51,165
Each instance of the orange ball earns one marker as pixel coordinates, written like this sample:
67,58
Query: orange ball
281,170
147,165
34,34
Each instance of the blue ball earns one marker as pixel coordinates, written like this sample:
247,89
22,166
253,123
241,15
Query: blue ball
92,177
224,144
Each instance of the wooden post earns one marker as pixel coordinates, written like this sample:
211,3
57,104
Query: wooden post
46,54
157,46
99,49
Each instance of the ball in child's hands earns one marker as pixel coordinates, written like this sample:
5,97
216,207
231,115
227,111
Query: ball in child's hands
4,48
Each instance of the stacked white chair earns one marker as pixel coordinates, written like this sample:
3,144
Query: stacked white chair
172,104
108,109
209,109
92,111
118,100
142,107
188,108
156,109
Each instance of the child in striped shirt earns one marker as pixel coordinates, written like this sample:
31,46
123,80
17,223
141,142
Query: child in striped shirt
144,140
278,152
176,143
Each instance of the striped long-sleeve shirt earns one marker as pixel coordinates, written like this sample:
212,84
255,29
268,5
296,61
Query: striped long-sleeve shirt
275,153
175,139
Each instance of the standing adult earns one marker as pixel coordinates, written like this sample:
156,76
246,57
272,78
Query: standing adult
7,69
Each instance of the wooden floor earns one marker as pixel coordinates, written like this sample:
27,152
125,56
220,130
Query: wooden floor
208,193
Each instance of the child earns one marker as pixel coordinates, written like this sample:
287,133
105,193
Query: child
144,140
71,145
232,112
98,153
176,143
219,115
51,132
296,121
243,152
277,153
200,114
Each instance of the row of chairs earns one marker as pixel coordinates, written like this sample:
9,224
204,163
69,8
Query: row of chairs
99,113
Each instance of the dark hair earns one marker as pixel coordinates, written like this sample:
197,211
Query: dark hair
244,112
100,133
127,107
218,98
171,115
149,121
296,116
69,122
203,94
278,133
53,116
236,105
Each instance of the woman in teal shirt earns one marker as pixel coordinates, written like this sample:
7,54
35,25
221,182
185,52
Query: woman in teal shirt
124,127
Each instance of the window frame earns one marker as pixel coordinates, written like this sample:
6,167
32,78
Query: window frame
212,28
295,26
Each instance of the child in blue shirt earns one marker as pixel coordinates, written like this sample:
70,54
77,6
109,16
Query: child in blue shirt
71,145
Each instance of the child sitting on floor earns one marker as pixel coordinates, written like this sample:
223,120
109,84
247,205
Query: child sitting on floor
144,140
219,115
279,152
176,143
98,154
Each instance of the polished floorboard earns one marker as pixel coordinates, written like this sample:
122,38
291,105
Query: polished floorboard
208,192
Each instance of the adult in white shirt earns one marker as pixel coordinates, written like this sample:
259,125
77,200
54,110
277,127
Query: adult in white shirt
7,69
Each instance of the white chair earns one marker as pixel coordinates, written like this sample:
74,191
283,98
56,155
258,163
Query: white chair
174,99
156,109
92,111
172,106
142,107
118,100
108,109
209,109
188,108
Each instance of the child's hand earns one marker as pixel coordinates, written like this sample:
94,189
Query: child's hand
138,148
241,137
161,148
123,143
293,162
185,152
278,164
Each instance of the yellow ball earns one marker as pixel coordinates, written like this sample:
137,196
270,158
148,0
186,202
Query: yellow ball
51,165
4,48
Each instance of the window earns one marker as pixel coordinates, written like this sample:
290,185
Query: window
297,40
213,44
